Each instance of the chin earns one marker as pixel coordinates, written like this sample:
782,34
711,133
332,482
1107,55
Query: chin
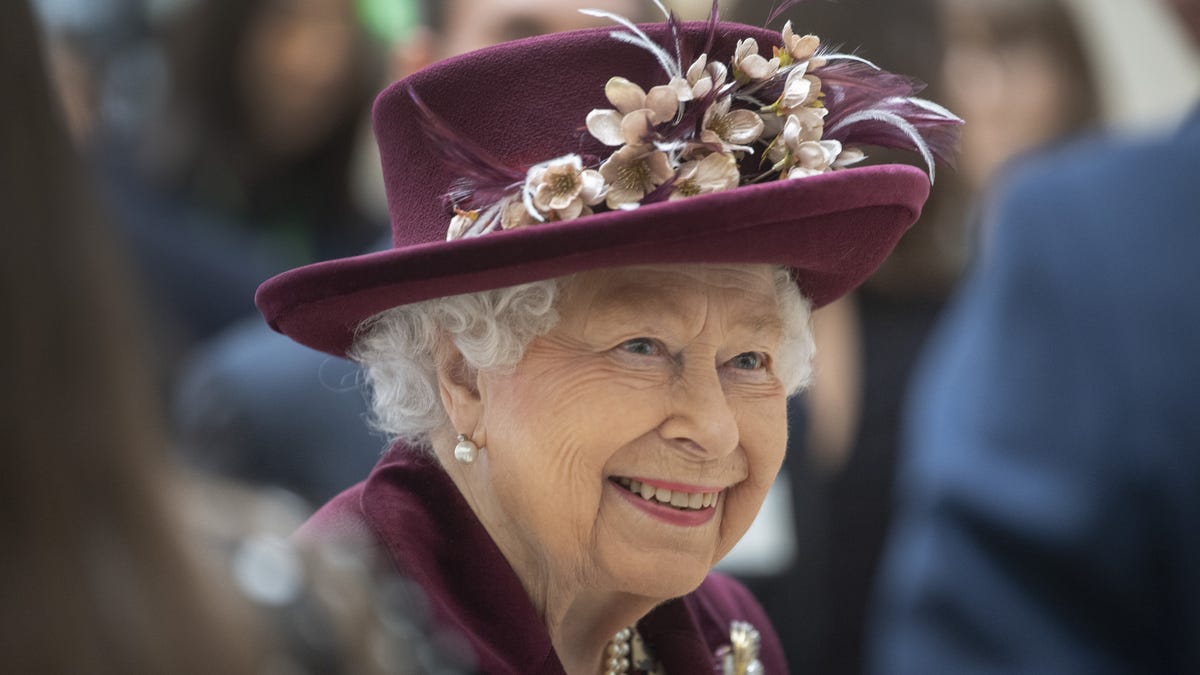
661,577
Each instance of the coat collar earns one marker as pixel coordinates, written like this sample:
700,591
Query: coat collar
435,539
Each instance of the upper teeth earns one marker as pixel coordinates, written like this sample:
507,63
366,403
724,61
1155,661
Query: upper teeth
677,498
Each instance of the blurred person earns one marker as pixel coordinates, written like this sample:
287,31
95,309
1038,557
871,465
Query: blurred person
254,405
1021,71
95,575
244,169
268,98
247,172
1050,494
111,78
115,562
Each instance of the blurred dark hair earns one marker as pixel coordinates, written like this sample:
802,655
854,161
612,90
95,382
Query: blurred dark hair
1051,25
94,575
208,135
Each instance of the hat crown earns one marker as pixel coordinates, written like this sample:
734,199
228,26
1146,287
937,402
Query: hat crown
524,102
498,119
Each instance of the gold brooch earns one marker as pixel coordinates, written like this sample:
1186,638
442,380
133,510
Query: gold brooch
741,656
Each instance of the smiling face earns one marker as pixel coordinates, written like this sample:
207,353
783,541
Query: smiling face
657,385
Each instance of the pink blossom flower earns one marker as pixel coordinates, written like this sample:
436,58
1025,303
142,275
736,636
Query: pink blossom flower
703,77
799,153
561,189
800,90
514,214
797,49
749,65
637,112
804,125
714,173
633,172
731,130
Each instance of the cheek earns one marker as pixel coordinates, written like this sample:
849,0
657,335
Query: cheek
763,427
762,424
576,409
550,438
562,426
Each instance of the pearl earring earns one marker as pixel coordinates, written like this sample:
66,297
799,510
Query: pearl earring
466,451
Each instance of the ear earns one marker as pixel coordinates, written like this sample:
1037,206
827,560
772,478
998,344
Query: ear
458,386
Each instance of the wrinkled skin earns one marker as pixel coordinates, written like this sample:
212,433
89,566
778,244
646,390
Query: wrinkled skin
657,372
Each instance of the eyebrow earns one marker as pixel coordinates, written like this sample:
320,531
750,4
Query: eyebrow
633,299
768,322
630,300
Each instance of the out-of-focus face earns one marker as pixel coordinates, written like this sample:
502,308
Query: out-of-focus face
297,71
1015,92
475,24
657,385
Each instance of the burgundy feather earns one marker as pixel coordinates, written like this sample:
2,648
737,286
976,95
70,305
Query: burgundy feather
939,133
481,174
693,115
710,31
673,25
851,86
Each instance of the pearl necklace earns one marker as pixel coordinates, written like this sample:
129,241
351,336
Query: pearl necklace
617,655
627,652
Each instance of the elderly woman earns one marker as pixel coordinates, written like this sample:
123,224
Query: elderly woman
607,246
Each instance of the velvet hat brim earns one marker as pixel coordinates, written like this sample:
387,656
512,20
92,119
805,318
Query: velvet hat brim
833,230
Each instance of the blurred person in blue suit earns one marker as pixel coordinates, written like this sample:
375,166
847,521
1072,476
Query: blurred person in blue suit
1049,501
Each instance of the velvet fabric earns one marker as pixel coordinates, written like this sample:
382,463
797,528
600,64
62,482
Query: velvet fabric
526,102
410,509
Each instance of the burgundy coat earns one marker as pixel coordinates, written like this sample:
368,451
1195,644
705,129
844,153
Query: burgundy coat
415,515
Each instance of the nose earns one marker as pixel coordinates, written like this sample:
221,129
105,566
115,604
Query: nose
700,417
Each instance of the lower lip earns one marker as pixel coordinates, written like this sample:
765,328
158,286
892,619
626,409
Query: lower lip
668,514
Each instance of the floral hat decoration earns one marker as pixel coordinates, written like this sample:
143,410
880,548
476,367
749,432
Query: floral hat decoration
662,143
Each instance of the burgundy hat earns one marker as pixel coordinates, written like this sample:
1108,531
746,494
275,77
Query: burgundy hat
477,136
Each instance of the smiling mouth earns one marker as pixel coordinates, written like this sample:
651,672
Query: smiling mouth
678,499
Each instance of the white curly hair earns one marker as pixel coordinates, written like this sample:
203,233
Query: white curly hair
399,348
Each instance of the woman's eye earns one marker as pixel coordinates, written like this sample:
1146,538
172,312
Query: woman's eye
641,347
749,361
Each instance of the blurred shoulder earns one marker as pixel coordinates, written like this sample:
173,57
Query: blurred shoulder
1099,202
1106,169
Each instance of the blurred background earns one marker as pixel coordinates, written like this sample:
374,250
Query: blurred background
228,141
